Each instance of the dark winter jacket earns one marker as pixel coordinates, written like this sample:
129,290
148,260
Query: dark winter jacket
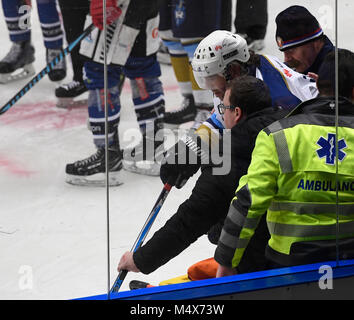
209,203
327,48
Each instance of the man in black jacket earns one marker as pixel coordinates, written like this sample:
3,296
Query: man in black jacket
247,113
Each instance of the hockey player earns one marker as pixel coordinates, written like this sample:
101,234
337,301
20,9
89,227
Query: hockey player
305,46
73,14
17,64
133,43
184,23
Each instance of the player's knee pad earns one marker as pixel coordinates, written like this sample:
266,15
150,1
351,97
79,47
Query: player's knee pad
93,75
96,110
149,101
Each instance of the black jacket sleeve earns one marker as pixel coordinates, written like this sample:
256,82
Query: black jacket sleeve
208,204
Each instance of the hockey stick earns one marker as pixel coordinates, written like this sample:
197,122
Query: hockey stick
49,67
143,233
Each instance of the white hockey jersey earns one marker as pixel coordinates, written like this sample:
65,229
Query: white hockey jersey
121,37
287,87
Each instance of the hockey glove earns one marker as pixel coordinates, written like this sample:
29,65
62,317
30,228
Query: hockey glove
183,160
96,11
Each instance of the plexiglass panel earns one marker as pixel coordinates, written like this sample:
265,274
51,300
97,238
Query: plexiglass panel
53,234
344,129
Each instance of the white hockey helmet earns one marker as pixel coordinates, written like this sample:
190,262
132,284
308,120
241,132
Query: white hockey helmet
215,52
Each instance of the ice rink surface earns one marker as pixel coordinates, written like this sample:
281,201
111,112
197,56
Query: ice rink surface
53,236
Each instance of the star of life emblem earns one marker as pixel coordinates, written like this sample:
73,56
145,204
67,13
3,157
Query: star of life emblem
328,148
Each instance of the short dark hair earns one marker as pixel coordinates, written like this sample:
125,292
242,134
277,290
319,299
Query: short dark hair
327,72
249,94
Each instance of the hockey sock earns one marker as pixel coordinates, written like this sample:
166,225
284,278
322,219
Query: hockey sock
148,100
50,24
96,110
180,65
17,19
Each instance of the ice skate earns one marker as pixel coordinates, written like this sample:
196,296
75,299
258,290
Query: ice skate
186,113
91,171
145,158
71,95
17,64
58,72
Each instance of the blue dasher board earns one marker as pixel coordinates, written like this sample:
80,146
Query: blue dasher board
326,280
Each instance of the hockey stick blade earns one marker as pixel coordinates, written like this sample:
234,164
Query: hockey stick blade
46,70
143,233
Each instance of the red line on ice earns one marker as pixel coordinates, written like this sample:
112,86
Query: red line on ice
44,115
14,168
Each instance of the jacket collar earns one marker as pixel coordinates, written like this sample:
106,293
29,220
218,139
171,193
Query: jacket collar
327,47
324,105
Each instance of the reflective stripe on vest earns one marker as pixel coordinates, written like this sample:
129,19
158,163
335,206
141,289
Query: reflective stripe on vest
344,209
237,218
240,220
302,231
281,145
231,241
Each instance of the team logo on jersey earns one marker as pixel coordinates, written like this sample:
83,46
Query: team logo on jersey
328,148
180,13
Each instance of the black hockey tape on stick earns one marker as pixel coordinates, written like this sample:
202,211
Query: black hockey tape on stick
49,67
143,233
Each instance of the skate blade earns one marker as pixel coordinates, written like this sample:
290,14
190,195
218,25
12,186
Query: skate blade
147,168
19,74
96,180
66,103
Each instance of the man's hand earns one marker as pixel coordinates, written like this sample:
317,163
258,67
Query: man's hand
182,161
225,271
313,76
127,263
96,11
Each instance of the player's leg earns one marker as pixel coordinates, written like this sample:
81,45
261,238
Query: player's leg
91,170
193,20
73,15
149,103
17,64
52,36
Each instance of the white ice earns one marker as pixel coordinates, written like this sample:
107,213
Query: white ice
53,236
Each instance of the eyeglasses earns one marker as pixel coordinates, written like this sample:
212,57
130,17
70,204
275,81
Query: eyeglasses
222,108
